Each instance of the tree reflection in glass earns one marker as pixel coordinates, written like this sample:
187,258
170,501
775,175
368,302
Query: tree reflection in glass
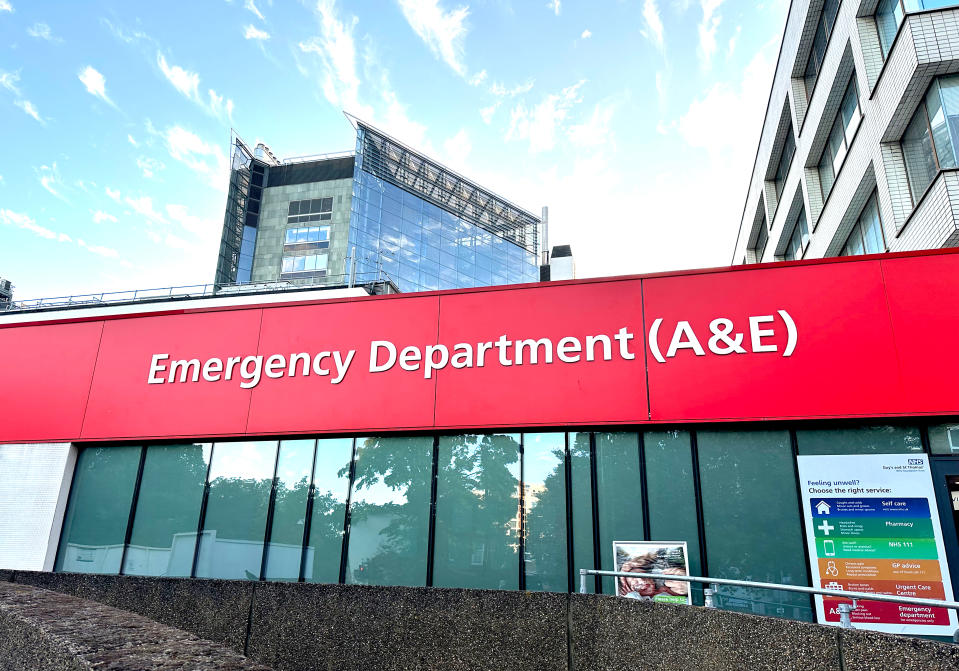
477,512
331,484
390,511
544,498
289,510
241,477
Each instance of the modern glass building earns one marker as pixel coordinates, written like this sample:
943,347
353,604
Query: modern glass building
385,211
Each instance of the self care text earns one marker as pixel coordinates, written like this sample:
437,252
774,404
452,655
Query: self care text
384,355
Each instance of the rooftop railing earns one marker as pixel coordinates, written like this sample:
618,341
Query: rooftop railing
376,282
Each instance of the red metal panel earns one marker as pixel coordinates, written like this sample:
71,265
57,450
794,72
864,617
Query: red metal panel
123,405
844,361
558,393
361,401
45,376
923,298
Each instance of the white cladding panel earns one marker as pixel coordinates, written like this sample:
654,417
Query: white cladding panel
34,484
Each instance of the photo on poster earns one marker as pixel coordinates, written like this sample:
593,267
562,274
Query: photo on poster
660,557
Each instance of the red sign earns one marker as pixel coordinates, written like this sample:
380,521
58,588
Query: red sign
865,338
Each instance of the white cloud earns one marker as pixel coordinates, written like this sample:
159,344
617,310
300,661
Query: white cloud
149,167
20,220
733,40
488,112
50,179
8,80
661,87
84,185
42,31
254,33
337,51
206,159
98,249
30,109
707,30
540,124
112,194
554,6
478,78
501,91
100,216
188,83
144,206
132,141
594,132
250,5
585,35
654,23
457,149
192,223
5,6
443,32
95,83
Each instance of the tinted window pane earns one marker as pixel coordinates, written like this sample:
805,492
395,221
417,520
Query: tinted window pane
918,153
331,484
872,228
289,510
861,440
944,439
241,477
671,494
888,17
942,118
168,510
620,495
544,491
751,519
477,512
582,497
96,521
389,511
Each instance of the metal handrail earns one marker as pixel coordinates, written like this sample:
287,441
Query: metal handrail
191,291
844,608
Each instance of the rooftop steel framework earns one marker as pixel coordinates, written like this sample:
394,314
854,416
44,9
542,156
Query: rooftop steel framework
389,159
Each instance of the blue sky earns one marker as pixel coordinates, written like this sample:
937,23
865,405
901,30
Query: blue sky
116,120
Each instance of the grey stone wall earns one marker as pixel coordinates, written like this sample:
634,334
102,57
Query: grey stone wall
42,630
300,626
271,229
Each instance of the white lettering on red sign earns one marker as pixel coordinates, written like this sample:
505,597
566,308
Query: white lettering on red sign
724,338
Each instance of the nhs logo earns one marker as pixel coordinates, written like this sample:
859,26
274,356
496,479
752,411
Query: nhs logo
914,462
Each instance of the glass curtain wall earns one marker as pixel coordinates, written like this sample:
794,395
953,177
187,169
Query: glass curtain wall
929,141
495,511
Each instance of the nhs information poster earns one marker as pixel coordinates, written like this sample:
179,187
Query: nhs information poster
872,526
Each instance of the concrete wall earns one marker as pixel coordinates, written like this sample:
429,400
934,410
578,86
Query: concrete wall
297,626
34,486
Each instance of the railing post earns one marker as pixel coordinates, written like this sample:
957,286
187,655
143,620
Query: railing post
582,581
708,594
845,611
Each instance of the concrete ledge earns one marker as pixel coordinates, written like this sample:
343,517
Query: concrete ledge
360,627
614,633
869,651
217,610
48,631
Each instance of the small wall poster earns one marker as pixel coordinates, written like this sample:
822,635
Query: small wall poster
662,557
872,526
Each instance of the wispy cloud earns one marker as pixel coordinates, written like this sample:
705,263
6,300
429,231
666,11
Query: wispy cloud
99,216
148,166
42,32
596,131
144,206
30,109
204,228
443,31
50,180
487,113
733,41
251,5
540,124
20,220
132,141
337,51
206,159
555,6
100,250
112,194
653,23
8,80
585,35
254,33
95,83
5,6
188,83
707,30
